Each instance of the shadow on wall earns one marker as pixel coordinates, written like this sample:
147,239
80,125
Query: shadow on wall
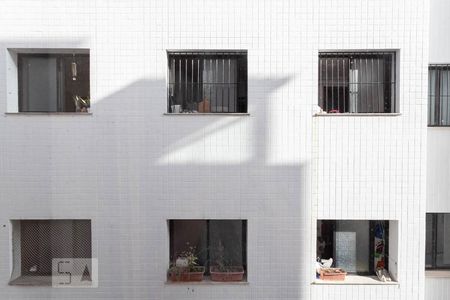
198,166
142,167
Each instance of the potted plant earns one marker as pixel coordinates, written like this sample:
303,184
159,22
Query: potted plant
81,104
224,270
185,267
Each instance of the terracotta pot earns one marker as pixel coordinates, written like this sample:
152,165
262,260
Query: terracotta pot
233,274
196,275
334,274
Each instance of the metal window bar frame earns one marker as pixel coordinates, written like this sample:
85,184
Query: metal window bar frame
217,86
436,96
172,237
363,62
434,240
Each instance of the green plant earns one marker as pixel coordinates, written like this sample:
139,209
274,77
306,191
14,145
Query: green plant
224,264
190,254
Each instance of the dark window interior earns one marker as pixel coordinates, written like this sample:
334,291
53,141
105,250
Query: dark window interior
207,82
49,82
357,82
437,251
43,240
358,246
439,95
208,236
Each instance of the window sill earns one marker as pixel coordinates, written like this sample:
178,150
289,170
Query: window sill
355,280
207,281
32,281
437,274
357,114
207,114
48,114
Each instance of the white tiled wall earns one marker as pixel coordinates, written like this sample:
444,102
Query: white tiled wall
438,147
130,168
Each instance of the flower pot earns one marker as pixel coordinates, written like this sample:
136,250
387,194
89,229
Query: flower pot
231,274
186,275
334,274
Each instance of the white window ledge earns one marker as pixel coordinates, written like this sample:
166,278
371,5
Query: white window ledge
207,281
355,280
437,274
48,114
207,114
27,280
357,114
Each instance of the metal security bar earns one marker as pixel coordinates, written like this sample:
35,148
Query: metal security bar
39,241
357,82
207,82
439,95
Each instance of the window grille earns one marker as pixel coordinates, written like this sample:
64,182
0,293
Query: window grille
207,82
439,95
357,82
37,242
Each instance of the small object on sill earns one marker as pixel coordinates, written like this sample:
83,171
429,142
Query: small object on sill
333,274
334,111
383,275
204,106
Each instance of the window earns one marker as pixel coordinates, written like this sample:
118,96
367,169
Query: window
37,242
437,253
357,82
215,241
207,82
360,247
50,82
439,95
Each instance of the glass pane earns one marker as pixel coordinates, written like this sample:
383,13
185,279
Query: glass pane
443,241
227,243
188,233
431,98
352,241
75,86
44,240
38,84
429,241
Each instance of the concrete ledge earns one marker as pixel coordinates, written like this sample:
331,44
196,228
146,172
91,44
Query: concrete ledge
437,274
358,115
208,114
48,114
355,280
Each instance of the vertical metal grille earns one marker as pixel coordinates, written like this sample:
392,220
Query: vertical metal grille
43,240
439,95
207,82
357,82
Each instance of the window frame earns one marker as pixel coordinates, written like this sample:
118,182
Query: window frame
370,251
436,122
22,277
12,78
391,86
244,235
434,243
241,84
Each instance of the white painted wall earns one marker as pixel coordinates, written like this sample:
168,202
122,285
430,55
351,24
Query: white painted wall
130,168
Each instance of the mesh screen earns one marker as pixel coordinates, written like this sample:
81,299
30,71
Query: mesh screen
43,240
